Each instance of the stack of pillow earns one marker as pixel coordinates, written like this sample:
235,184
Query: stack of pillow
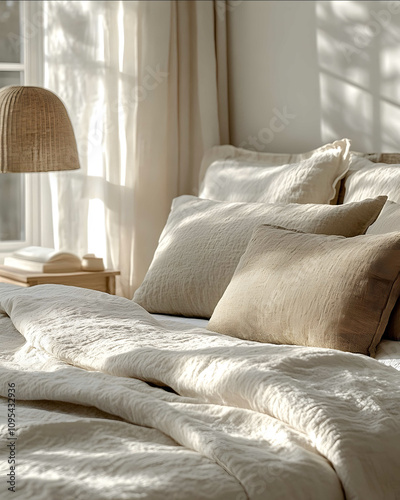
268,256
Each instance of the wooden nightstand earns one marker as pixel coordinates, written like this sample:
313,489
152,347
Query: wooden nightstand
104,281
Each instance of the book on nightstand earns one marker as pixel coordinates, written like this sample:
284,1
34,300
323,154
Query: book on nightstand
44,260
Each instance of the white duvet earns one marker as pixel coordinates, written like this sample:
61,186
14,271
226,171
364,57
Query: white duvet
246,420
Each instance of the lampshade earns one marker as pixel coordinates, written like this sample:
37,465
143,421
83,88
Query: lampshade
36,134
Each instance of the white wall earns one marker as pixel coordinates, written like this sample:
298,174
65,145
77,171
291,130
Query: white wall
331,67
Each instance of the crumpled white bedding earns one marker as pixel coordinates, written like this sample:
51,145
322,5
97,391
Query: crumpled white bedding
166,320
247,420
388,351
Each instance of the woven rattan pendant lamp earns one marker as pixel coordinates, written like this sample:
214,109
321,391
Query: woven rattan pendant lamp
36,134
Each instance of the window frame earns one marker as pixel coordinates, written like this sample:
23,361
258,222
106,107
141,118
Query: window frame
32,67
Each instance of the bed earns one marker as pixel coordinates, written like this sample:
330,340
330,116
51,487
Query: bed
104,398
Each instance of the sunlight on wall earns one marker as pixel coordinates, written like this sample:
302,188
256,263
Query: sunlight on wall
390,117
390,70
390,87
358,57
334,65
346,111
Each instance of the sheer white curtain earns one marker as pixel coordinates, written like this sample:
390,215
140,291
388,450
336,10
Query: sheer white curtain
145,85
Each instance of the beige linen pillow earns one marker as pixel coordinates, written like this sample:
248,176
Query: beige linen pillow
366,179
312,290
388,222
244,176
203,241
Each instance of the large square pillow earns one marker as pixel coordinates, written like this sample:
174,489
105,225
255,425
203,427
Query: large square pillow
203,241
247,176
312,290
366,179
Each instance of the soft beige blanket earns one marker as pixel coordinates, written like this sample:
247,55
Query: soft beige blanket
247,420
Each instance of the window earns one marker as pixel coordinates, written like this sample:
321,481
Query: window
18,192
12,188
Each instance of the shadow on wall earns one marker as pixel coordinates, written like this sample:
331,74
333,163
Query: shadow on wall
358,51
333,67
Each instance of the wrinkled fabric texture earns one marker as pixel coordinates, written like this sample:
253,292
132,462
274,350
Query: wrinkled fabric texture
388,353
258,420
233,174
366,179
203,241
388,221
312,289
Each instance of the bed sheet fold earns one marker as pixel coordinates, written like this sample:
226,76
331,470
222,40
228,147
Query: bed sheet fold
263,421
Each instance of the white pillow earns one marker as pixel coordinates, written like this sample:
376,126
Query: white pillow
366,179
246,176
203,241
